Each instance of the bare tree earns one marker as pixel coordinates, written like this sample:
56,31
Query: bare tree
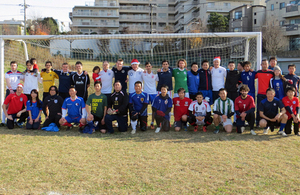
273,37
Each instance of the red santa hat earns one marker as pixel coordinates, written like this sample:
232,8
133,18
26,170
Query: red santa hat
135,61
217,58
20,85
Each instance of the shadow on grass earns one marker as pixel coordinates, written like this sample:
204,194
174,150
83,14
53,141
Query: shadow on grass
149,136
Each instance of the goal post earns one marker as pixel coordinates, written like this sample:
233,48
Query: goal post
193,47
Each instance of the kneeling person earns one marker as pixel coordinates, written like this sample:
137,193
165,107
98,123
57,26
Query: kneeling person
181,109
138,103
162,106
268,110
75,107
200,113
223,111
98,103
244,108
291,104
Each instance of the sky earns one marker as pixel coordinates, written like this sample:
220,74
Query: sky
58,9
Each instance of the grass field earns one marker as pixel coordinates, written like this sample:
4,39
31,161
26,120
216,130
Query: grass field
67,162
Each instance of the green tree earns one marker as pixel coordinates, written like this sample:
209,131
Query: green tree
218,22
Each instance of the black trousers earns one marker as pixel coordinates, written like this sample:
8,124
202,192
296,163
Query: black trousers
143,121
52,119
288,127
164,123
250,118
22,118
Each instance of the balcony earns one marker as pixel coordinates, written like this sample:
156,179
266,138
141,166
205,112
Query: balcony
98,5
94,15
136,1
292,29
97,24
135,9
291,11
134,18
134,27
194,15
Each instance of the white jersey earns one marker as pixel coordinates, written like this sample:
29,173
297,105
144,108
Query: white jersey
31,82
134,76
150,82
14,78
218,76
107,81
199,110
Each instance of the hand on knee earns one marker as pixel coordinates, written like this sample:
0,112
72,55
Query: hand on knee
262,123
177,128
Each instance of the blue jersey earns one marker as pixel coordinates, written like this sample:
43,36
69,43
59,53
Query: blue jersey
293,81
270,109
193,82
34,109
165,78
64,80
74,107
248,78
162,104
279,86
138,100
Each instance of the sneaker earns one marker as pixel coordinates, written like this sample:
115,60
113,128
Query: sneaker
69,128
185,128
204,129
152,126
216,131
282,133
196,128
20,125
252,132
242,129
133,131
157,130
266,131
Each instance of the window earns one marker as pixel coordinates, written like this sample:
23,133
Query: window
292,2
238,15
295,21
162,15
272,7
255,13
162,24
281,5
237,30
210,4
254,21
227,5
281,23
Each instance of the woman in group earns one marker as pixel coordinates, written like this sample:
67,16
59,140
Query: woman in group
31,79
34,108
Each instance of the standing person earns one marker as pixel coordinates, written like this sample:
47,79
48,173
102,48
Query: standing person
14,106
35,66
292,79
12,78
232,81
96,71
181,112
134,75
248,78
165,77
278,83
64,80
96,108
200,113
223,111
218,75
48,77
263,77
150,79
240,66
193,80
138,103
291,104
74,106
205,86
268,110
244,108
31,79
117,105
162,106
34,108
121,73
180,77
273,63
52,107
81,81
107,76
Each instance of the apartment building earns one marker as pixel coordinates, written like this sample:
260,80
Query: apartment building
287,15
11,27
247,18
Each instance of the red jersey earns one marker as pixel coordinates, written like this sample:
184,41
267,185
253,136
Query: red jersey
181,107
96,77
293,104
263,80
243,105
15,102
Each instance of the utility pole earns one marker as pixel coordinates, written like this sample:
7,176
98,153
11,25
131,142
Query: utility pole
25,7
151,27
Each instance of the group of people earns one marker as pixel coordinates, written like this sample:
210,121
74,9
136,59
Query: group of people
231,92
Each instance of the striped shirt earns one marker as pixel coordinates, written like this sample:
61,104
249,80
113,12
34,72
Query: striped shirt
225,107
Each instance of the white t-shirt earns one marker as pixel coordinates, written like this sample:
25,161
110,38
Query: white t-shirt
218,76
134,76
14,78
150,82
199,110
107,81
31,82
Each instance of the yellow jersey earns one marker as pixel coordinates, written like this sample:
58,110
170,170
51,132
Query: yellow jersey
48,79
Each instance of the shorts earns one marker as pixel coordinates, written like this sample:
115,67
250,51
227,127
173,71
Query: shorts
186,95
227,122
151,97
73,120
179,123
200,122
99,125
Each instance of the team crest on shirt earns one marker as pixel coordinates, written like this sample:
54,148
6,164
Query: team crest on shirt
116,98
50,75
220,71
21,99
159,101
68,74
79,77
177,104
152,76
186,103
142,99
55,101
140,72
177,72
197,77
121,71
76,104
131,74
277,84
166,101
184,72
240,102
82,77
203,108
250,73
294,102
274,104
18,77
109,74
